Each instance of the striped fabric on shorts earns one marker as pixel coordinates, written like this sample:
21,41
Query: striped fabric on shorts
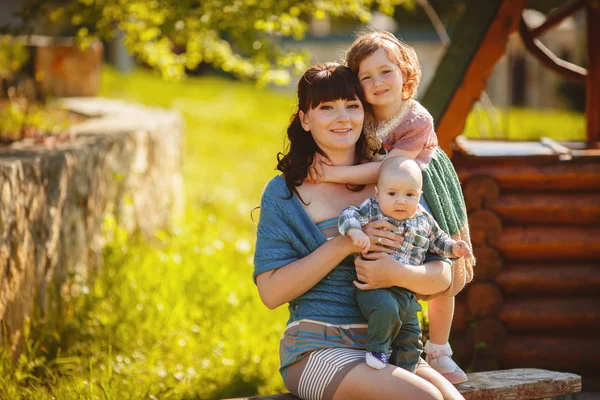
316,356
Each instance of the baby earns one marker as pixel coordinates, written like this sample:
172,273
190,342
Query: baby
392,313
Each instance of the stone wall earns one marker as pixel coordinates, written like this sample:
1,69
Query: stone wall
125,162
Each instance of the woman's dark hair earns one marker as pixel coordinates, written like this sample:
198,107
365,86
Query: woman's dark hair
320,83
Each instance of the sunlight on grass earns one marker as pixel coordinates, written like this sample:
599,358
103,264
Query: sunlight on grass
523,124
180,318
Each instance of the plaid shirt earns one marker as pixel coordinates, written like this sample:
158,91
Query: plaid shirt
421,232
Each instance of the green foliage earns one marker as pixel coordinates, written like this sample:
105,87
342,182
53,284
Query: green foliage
13,55
20,119
237,36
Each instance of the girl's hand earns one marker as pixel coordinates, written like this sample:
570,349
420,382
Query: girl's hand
382,236
316,173
376,271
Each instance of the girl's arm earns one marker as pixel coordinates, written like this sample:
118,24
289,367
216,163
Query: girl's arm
362,174
284,284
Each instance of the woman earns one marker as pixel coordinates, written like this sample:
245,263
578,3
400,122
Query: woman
301,260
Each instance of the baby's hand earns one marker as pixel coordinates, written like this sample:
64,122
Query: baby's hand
461,249
360,239
316,171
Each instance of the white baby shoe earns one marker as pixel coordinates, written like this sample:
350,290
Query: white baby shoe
439,356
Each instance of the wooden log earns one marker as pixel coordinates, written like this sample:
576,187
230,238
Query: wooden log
592,111
514,384
549,243
487,336
461,318
565,208
484,299
518,384
574,354
482,361
486,228
552,315
489,263
543,279
523,173
462,351
481,192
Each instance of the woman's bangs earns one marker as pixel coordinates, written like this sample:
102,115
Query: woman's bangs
330,86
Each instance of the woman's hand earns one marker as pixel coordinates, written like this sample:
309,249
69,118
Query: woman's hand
376,271
382,236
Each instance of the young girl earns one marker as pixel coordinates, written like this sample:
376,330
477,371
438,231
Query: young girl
398,125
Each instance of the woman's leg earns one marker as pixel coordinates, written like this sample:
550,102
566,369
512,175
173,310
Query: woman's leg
439,353
446,388
365,383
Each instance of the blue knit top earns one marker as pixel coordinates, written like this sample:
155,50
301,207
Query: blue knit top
286,234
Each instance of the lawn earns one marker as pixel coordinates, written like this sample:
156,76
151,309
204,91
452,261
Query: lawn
181,318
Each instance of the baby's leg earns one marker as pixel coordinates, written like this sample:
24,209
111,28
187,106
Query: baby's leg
407,346
380,308
439,352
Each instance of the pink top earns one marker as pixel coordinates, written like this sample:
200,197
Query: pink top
414,132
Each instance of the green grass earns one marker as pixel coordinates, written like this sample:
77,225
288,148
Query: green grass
180,318
523,124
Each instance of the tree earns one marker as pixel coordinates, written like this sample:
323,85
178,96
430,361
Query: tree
238,36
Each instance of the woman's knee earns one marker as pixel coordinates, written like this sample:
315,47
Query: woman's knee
363,382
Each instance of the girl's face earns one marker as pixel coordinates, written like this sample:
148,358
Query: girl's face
335,125
381,79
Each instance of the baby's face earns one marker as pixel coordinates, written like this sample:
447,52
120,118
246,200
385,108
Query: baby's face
398,195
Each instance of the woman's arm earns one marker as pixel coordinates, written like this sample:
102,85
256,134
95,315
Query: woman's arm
380,270
284,284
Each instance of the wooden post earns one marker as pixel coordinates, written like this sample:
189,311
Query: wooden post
477,45
593,77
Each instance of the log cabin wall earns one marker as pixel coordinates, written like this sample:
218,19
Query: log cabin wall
535,298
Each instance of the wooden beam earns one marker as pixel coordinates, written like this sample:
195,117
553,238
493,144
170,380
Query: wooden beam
593,77
531,315
549,242
539,279
477,44
537,49
557,16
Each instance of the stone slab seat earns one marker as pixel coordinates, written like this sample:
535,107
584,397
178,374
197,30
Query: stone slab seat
509,384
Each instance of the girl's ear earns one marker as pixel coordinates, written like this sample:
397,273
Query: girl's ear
304,121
